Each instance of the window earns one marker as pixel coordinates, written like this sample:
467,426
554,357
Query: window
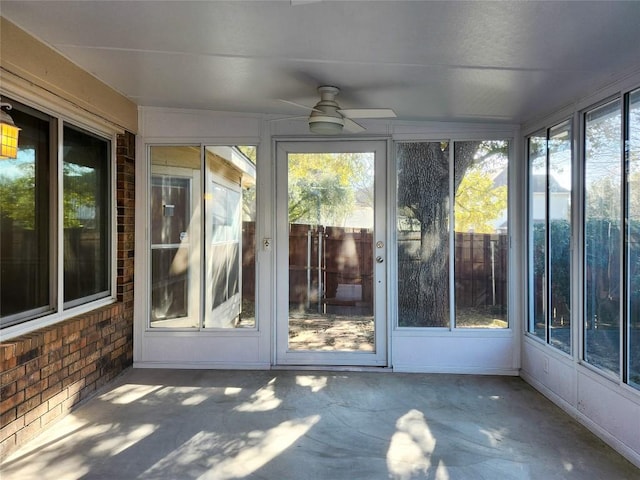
549,220
229,183
602,241
537,215
175,236
423,234
481,174
183,269
479,231
85,172
25,221
610,249
29,220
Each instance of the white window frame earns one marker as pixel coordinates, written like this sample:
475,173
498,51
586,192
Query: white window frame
529,235
64,112
143,223
452,329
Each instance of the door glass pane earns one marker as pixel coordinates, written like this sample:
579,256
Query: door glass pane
86,208
175,237
537,207
25,221
603,172
481,233
331,220
423,234
230,180
559,212
633,206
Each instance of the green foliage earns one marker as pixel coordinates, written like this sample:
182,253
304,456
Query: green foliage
633,191
478,202
559,257
324,188
249,204
490,155
79,194
17,195
602,199
249,192
249,151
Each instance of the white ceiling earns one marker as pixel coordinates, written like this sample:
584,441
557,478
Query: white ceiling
497,61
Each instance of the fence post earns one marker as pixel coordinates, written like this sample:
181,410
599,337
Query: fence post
309,240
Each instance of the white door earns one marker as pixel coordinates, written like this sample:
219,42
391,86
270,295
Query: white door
331,259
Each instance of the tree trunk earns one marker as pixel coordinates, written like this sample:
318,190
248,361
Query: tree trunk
423,264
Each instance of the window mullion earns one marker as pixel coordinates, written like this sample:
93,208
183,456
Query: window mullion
547,260
59,217
452,237
624,240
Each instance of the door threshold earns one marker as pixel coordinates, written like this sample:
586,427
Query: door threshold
334,368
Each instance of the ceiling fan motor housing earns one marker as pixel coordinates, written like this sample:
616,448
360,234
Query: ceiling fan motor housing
325,118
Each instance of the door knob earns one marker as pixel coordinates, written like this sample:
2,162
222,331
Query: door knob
379,259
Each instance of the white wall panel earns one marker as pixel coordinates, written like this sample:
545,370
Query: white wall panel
195,124
203,351
451,353
599,401
610,410
551,369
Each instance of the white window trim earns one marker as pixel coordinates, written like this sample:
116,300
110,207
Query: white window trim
51,104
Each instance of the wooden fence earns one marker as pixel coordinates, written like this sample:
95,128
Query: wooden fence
323,258
481,269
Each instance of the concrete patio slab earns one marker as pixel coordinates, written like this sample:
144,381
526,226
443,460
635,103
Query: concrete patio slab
203,424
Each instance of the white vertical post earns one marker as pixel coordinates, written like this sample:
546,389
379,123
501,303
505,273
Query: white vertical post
320,286
309,241
493,271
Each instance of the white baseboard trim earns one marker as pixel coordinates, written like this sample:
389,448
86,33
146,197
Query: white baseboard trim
409,368
203,365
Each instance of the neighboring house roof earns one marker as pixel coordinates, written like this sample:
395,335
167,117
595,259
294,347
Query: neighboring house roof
537,182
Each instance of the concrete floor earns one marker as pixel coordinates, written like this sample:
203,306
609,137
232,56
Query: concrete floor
177,424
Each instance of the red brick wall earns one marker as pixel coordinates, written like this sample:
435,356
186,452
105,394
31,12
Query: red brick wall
44,374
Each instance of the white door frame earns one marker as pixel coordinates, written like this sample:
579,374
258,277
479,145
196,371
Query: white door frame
380,355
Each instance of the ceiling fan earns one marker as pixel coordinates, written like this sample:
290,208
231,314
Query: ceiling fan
327,118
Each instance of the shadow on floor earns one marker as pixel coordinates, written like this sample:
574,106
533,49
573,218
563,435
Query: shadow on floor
197,424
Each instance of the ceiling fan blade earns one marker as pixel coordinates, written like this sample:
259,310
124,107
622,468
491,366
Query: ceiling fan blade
282,119
352,127
367,113
299,105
